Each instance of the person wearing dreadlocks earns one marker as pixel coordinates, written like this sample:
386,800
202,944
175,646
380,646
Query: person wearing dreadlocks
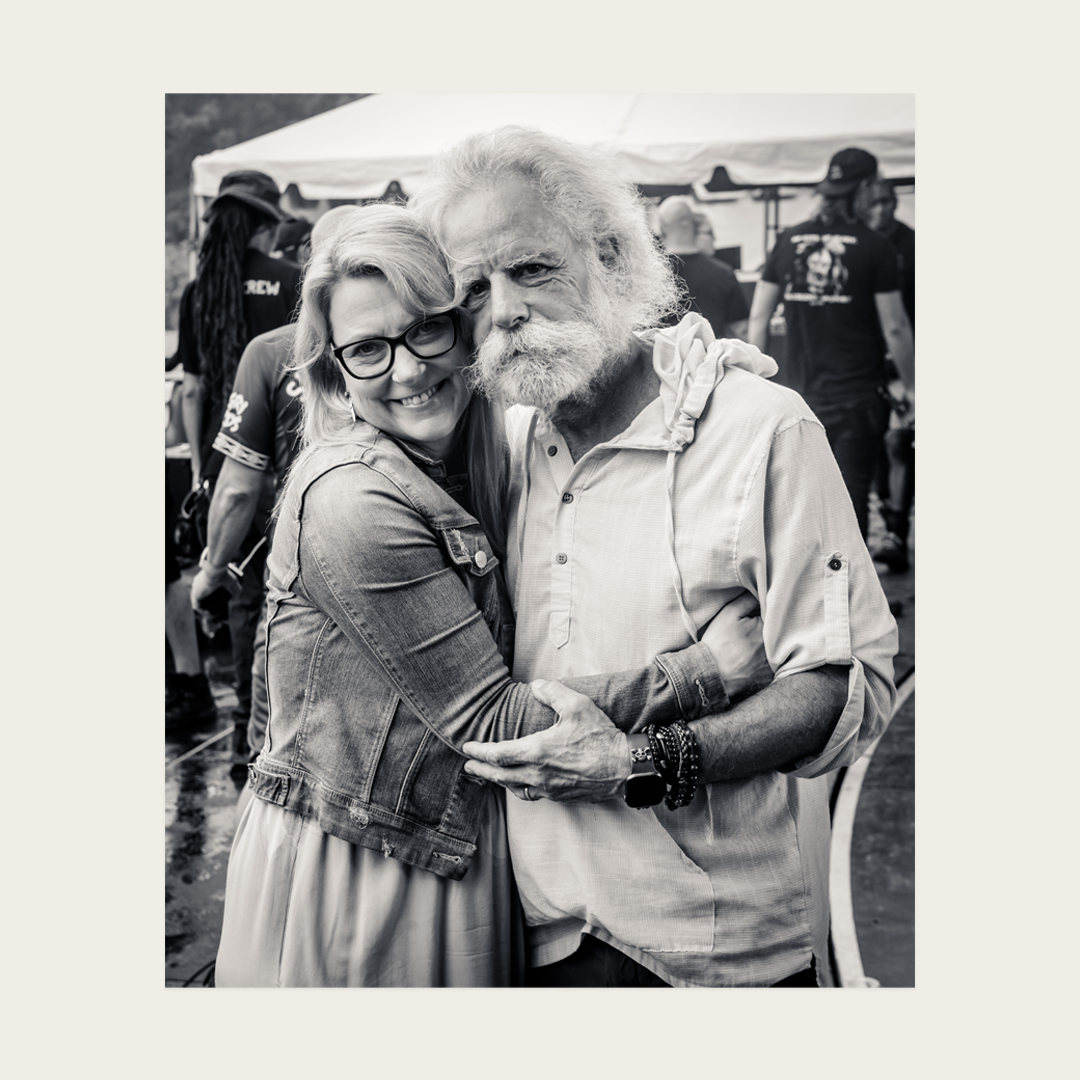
238,293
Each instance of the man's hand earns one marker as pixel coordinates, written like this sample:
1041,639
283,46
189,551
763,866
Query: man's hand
735,639
583,757
209,580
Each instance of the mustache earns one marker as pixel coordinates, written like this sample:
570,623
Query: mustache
531,339
538,363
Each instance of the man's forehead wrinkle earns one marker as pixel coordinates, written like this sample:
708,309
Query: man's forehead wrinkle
529,254
515,227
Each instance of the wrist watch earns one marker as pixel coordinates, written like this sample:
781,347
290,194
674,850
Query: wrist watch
644,786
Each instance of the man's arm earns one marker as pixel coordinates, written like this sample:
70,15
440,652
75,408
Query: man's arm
191,411
898,336
584,757
766,297
826,621
236,497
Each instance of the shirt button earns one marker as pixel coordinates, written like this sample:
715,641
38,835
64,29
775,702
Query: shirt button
568,498
480,559
834,563
552,451
560,558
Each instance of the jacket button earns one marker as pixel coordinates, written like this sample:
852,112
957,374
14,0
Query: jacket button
568,498
560,558
480,559
834,563
552,451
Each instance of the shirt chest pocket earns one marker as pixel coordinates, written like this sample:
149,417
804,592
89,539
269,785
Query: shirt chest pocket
476,563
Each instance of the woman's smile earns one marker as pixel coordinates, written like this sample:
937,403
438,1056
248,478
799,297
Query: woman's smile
422,398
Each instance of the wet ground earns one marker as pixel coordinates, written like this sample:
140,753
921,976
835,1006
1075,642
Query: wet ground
883,841
200,817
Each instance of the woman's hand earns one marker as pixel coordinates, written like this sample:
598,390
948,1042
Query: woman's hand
583,757
735,639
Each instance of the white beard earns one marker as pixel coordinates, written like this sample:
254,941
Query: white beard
545,364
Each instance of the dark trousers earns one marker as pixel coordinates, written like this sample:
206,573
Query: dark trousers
245,613
900,447
855,431
597,964
246,610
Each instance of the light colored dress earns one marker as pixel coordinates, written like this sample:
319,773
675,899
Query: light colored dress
304,908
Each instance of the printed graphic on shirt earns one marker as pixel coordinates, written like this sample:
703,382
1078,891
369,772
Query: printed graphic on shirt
261,288
818,275
234,411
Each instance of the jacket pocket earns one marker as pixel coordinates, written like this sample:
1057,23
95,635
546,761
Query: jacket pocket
472,556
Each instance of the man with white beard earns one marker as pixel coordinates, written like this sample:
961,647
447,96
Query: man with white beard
656,476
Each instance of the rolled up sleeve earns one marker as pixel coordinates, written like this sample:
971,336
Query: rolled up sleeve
821,601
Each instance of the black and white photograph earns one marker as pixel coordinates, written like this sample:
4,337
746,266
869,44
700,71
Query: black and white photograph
540,540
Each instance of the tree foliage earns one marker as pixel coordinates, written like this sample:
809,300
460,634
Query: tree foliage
198,123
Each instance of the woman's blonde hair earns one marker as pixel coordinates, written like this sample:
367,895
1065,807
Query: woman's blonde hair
391,243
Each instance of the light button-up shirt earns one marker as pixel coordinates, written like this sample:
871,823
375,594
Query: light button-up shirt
723,483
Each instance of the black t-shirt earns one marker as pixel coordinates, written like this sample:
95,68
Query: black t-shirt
713,290
270,298
829,276
261,426
903,239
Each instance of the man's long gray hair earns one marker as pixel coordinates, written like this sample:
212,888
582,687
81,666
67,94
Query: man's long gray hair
580,185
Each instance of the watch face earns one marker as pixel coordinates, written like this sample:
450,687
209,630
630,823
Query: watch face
648,789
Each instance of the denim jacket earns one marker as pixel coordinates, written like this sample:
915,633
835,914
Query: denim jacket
388,641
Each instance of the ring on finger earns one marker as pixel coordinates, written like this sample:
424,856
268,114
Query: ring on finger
525,794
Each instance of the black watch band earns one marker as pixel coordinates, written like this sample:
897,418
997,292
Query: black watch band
644,786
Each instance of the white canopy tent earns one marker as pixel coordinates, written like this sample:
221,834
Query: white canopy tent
357,150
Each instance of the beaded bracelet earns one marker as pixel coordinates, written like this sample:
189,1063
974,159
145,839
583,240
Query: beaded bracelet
682,791
654,749
673,749
677,756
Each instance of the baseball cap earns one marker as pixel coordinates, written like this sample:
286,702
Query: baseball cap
846,169
254,188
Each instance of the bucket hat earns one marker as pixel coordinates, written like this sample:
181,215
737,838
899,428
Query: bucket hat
254,188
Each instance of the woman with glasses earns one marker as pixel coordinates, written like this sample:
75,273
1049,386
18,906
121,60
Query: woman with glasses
368,856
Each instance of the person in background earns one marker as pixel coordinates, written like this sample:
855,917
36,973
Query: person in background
292,240
706,238
239,292
259,437
710,285
878,210
896,473
655,474
189,704
840,286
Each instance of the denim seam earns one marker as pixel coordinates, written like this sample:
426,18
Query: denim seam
310,683
405,786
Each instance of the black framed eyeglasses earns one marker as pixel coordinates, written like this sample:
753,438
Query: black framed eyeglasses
433,335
